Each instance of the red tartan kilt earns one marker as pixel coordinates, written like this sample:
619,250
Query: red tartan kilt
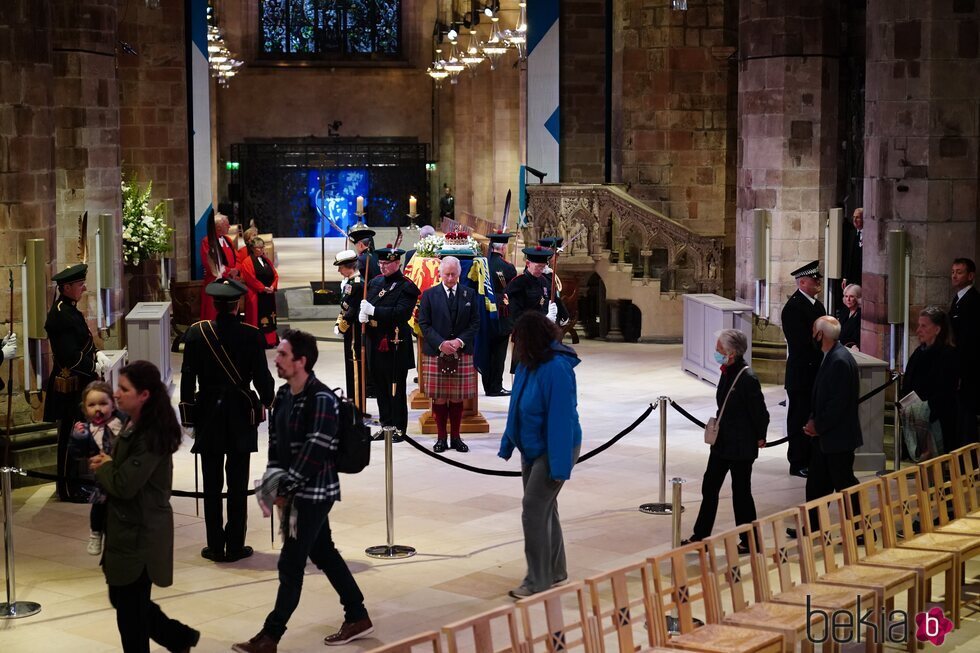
453,387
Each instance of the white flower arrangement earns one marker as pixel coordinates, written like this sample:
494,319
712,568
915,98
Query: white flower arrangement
430,246
145,231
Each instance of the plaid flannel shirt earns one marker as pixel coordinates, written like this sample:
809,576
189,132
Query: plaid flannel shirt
312,475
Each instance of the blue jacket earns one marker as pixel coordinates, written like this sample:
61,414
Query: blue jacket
543,414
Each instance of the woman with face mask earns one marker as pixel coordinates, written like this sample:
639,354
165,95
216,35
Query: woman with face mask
741,433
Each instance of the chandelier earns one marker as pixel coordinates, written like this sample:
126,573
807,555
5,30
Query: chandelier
437,70
221,61
454,65
517,37
473,56
495,47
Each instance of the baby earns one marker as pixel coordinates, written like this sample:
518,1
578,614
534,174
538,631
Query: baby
98,434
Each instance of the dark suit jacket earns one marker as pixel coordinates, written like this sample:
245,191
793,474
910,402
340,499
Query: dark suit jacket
745,419
210,402
850,327
798,317
852,253
934,374
964,317
73,356
835,402
437,325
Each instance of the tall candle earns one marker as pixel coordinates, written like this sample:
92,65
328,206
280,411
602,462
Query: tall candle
412,204
360,204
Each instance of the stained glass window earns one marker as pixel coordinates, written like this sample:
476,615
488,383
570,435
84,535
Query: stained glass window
330,29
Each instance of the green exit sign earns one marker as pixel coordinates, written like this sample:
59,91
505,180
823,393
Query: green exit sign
232,165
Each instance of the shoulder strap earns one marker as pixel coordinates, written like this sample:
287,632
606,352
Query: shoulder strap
729,393
211,337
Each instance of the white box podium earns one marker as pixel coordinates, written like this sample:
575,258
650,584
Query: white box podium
873,373
705,315
148,336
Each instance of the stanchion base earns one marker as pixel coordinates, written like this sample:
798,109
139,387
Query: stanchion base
19,609
658,508
393,551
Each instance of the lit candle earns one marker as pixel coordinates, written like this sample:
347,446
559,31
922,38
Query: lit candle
360,204
412,203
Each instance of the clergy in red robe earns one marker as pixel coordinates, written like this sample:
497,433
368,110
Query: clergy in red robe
228,265
262,280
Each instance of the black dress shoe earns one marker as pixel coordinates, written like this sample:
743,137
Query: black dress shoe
791,533
397,437
743,548
503,393
214,556
439,446
459,445
241,554
690,540
802,472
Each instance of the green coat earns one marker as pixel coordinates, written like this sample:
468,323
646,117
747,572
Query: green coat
140,528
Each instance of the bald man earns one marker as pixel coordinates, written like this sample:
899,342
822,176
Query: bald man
228,264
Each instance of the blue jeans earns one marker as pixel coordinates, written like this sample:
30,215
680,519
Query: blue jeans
312,541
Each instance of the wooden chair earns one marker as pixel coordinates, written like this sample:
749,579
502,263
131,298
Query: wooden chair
430,639
941,483
677,591
732,574
790,561
909,511
476,634
832,539
620,608
880,543
967,464
551,627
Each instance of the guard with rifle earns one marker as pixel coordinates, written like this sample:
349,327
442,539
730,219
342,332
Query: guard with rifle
360,236
351,294
223,360
389,304
533,291
502,272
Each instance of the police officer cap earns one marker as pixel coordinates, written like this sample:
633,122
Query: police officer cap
554,242
227,290
71,273
537,254
346,256
389,253
499,236
359,232
811,269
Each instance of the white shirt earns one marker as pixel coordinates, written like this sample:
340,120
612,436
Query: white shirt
962,292
447,289
813,300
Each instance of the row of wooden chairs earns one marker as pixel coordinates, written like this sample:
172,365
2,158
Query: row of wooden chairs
811,575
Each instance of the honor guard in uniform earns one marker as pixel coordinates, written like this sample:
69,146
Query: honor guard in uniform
802,362
222,359
351,294
531,291
360,236
75,363
501,273
391,300
554,243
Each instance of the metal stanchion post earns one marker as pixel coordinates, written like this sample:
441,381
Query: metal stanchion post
676,509
898,425
389,550
661,507
12,609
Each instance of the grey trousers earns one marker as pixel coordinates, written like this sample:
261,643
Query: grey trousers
544,547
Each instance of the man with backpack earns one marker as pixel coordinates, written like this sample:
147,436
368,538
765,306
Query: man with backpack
303,442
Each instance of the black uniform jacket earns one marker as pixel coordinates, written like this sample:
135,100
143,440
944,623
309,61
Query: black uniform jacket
501,274
437,325
529,293
389,337
803,360
745,419
219,408
350,306
370,261
73,354
835,402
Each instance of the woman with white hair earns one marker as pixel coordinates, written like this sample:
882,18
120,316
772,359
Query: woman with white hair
849,316
742,423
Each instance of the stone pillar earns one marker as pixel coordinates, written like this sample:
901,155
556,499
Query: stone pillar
787,113
645,255
86,116
583,91
615,333
922,148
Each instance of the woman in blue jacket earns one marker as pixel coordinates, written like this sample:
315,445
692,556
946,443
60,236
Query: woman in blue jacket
542,423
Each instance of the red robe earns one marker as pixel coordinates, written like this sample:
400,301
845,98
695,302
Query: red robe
247,270
230,266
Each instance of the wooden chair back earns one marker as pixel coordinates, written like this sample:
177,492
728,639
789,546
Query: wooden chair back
494,631
907,503
828,537
789,559
732,572
867,511
967,464
624,605
941,485
680,584
428,641
558,621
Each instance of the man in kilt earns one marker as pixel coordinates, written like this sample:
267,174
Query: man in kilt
449,319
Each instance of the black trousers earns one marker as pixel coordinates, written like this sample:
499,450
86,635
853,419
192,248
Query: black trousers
966,422
97,517
68,471
216,467
829,472
742,501
797,415
493,380
139,620
392,406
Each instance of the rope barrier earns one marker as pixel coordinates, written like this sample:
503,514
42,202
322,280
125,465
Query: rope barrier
501,472
175,493
881,388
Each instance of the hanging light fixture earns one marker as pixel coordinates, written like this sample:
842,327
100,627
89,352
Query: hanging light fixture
495,47
437,71
473,57
223,64
454,66
517,37
679,5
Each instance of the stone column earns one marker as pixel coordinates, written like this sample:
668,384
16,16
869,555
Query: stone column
645,254
921,149
615,333
787,105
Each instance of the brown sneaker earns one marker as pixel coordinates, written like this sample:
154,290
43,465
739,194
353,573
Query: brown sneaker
350,631
261,643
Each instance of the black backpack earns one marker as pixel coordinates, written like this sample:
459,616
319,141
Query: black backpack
353,435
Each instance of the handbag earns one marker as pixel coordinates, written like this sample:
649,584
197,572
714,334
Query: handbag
714,423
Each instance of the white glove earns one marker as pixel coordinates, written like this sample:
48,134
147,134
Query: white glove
367,308
547,269
99,368
552,311
9,347
363,317
102,362
336,330
12,336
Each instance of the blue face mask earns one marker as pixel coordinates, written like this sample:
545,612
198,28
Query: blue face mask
720,358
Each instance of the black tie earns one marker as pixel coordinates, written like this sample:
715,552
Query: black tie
452,303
